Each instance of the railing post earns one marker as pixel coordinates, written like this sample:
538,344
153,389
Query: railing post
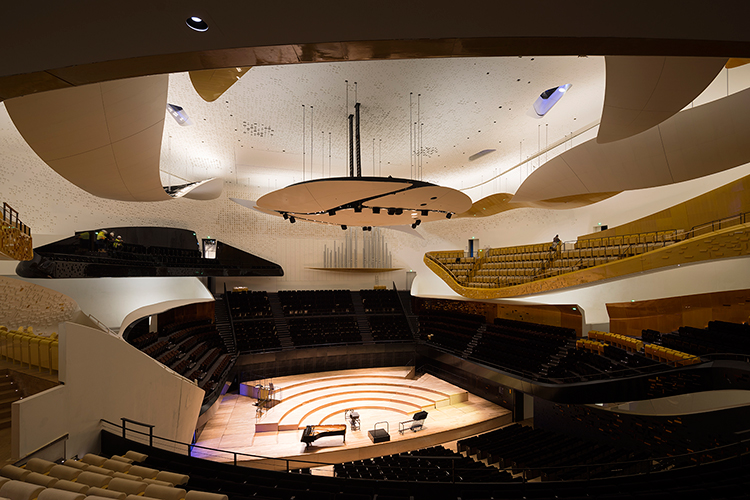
151,436
287,465
123,428
235,459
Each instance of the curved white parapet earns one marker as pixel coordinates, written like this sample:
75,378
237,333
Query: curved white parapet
694,143
644,91
105,138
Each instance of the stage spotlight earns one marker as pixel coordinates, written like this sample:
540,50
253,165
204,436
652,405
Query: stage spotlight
376,210
343,226
292,219
425,213
286,215
332,212
414,226
418,222
448,215
357,209
364,228
399,211
391,211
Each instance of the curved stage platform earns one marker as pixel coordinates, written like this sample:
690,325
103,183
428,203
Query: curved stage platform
377,394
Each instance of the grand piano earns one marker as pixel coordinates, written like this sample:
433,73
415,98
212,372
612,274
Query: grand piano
313,432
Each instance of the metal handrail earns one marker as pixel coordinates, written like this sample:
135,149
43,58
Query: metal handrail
10,217
687,235
657,369
652,464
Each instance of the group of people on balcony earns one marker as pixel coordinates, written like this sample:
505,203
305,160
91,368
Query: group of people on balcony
100,240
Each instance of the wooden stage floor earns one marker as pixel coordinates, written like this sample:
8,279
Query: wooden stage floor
379,394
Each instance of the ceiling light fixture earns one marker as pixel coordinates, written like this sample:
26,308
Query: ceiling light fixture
179,114
341,200
196,23
549,98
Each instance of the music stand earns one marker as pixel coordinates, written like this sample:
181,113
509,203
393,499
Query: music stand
353,417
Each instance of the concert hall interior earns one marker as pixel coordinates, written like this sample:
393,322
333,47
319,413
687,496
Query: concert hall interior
356,251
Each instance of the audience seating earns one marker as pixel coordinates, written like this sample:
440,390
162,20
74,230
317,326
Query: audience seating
25,347
624,342
315,302
26,483
330,330
389,327
193,349
380,301
430,464
509,266
256,335
450,330
248,305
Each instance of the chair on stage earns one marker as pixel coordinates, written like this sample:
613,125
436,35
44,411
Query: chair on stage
415,424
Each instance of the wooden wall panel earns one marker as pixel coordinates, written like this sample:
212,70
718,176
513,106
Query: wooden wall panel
720,203
185,314
666,315
568,316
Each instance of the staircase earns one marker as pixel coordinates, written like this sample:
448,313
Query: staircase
404,296
224,325
8,395
555,358
282,329
364,325
474,341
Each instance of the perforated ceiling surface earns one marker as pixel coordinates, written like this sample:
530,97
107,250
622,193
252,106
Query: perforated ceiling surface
458,107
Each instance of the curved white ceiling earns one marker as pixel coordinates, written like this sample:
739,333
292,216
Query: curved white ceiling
694,143
644,91
105,138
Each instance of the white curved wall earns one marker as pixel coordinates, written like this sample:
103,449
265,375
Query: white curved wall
104,378
110,300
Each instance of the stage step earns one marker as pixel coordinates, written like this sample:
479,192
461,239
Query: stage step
282,329
364,325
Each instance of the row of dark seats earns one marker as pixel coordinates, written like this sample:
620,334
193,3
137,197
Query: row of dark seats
437,464
448,329
380,301
728,479
331,330
256,336
315,302
518,345
389,327
549,455
194,349
717,337
248,304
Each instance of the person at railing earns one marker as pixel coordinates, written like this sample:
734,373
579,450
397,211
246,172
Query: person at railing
101,240
84,241
555,243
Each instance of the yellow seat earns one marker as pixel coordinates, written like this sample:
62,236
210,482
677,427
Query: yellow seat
44,354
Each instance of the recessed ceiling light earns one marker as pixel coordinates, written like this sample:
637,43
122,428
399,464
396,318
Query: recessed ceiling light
197,23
